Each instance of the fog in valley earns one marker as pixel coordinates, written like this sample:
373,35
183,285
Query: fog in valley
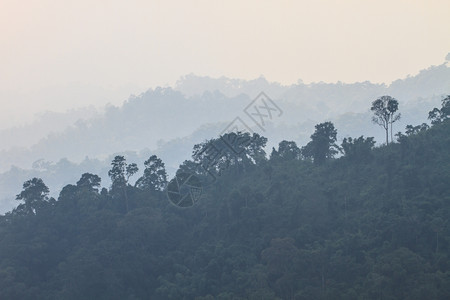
168,121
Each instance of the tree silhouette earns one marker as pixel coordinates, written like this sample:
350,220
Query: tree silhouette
384,109
439,115
155,175
89,181
117,172
359,148
239,149
131,170
323,143
288,150
120,173
35,194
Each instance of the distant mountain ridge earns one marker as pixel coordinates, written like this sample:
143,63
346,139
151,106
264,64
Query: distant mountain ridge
166,113
169,121
423,84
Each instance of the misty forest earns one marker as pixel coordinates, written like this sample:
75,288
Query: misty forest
356,218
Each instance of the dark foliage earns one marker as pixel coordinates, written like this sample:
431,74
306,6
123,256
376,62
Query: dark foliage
372,224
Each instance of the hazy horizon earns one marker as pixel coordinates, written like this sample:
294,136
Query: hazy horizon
86,96
62,55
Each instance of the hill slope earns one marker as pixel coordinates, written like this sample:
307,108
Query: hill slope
371,225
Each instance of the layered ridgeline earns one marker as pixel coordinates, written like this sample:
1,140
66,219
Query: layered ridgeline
165,114
168,121
300,224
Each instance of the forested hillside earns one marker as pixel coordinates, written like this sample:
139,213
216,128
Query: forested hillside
57,144
297,223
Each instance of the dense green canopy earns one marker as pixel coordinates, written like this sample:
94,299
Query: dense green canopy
371,224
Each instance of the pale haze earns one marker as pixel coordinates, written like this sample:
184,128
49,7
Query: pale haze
58,55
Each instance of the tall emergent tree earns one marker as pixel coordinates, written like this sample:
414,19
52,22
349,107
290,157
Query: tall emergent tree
323,143
120,173
155,175
117,172
384,109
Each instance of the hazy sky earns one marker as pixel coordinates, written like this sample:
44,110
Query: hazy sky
100,51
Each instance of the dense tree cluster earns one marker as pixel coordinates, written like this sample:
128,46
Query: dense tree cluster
323,143
440,115
371,224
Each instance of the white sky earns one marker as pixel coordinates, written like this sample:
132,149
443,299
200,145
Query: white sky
115,48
